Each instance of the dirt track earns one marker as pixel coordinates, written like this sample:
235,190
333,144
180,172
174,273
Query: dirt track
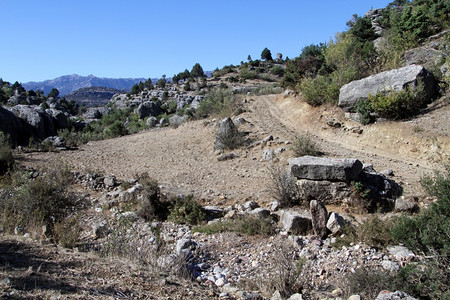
183,159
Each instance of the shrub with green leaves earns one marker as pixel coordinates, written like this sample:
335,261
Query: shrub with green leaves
304,145
186,211
219,102
364,108
152,207
6,157
396,105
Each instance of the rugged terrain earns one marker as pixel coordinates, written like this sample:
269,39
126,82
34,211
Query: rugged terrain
183,159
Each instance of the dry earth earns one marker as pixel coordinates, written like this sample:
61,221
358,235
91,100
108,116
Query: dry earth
183,159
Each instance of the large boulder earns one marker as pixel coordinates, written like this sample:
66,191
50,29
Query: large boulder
226,132
36,119
295,222
10,125
59,117
323,168
328,192
148,108
393,80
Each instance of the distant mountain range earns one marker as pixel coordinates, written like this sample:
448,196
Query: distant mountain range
71,83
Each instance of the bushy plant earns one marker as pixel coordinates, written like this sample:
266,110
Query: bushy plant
152,207
67,232
219,102
186,211
284,187
6,157
32,203
396,105
304,145
428,231
229,140
364,108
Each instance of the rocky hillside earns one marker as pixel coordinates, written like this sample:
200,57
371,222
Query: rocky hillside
71,83
92,96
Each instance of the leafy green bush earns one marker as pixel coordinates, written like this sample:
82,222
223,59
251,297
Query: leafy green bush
6,157
364,108
36,202
396,105
304,145
428,231
152,207
319,90
248,225
186,211
219,102
115,129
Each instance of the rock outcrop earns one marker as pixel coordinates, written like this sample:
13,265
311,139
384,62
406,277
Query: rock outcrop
148,108
39,123
226,130
393,80
319,168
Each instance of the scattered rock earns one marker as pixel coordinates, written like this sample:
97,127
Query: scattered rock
405,205
56,141
295,222
387,295
335,223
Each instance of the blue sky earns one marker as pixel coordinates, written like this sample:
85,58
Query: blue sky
47,39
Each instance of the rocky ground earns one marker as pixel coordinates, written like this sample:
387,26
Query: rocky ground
226,265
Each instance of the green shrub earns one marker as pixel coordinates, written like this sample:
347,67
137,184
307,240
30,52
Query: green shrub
36,202
304,145
428,231
249,225
364,108
219,102
396,105
277,70
186,211
319,90
67,232
6,157
374,232
115,129
152,207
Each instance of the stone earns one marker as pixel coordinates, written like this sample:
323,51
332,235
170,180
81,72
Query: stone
226,131
176,120
393,80
249,205
354,297
389,265
335,223
99,230
319,218
276,296
11,126
39,123
213,212
401,253
56,141
59,118
183,244
261,212
405,205
387,295
151,122
226,156
148,108
109,181
296,296
323,168
268,154
295,222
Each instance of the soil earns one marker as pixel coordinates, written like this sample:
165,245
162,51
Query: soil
183,160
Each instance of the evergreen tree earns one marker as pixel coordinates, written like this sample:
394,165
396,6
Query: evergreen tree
266,55
197,71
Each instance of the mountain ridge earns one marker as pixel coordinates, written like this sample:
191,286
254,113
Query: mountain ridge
71,83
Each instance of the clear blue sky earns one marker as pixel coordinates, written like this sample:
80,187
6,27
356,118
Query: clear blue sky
45,39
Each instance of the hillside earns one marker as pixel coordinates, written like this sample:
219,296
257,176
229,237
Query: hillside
71,83
92,96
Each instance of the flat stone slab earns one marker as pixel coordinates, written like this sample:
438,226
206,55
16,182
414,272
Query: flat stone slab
324,168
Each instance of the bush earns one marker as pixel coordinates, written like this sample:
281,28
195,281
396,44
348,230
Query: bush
229,140
186,211
152,207
67,232
374,232
395,105
284,187
33,203
220,102
364,108
6,157
428,231
319,90
304,145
